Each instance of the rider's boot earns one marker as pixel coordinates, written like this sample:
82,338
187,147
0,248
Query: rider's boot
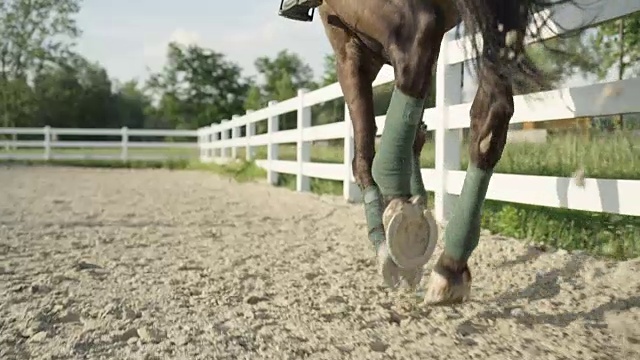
301,10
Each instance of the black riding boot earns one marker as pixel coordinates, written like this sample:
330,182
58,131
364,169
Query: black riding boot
301,10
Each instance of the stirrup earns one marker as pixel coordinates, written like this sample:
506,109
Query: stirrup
298,9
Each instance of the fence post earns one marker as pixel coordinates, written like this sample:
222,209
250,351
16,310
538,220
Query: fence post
200,140
211,137
447,142
272,148
303,148
235,133
124,151
350,190
224,135
216,137
199,143
47,142
250,130
208,139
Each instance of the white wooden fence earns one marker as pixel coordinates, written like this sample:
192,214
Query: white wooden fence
125,149
219,142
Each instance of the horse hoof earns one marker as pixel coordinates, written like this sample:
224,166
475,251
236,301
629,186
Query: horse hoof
411,232
387,268
412,276
448,287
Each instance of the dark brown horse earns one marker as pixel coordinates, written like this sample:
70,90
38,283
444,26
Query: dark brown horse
365,35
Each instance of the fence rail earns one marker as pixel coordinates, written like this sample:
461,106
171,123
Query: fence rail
220,142
16,149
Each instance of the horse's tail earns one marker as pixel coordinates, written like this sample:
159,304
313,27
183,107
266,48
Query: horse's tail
503,51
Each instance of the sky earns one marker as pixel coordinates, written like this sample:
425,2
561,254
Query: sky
129,38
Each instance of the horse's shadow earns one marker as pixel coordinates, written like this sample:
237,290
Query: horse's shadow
546,286
531,254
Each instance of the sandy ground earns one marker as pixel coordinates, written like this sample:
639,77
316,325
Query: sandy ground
154,264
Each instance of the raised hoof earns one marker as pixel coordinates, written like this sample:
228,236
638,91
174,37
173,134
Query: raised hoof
411,232
387,268
448,286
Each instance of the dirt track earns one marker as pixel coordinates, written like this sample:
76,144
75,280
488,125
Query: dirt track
145,264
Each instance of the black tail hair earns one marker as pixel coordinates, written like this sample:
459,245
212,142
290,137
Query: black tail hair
503,51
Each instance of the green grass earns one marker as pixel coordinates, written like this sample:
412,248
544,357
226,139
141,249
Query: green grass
241,171
614,156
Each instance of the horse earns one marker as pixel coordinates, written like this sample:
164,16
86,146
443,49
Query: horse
406,34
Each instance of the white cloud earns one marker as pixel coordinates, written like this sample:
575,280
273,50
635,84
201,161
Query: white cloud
185,37
139,41
155,52
245,45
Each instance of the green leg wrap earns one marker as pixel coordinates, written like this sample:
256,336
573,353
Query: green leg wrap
417,186
463,230
392,163
373,214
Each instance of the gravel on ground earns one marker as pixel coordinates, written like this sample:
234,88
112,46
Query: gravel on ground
159,264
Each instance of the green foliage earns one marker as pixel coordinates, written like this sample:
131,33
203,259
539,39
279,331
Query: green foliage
611,49
131,105
254,100
616,46
330,70
34,34
197,87
241,171
284,65
280,79
560,58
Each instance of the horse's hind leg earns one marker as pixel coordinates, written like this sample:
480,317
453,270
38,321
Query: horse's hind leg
490,113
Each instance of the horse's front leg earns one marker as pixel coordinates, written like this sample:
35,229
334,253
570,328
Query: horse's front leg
357,68
490,113
355,77
410,230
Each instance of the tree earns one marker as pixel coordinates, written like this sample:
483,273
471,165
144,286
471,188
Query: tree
282,76
285,64
57,94
254,99
616,44
131,105
611,49
96,102
33,35
333,110
330,75
77,94
197,87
